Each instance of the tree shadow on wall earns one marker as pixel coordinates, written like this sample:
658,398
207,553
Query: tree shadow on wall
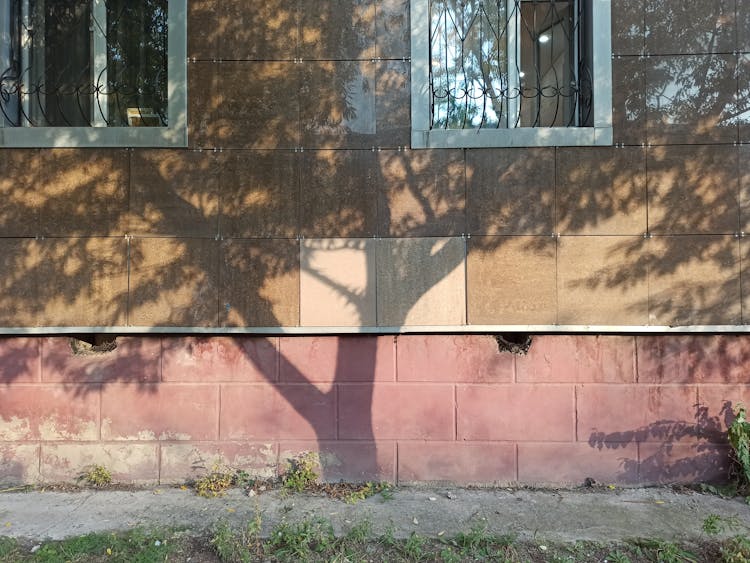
675,451
208,238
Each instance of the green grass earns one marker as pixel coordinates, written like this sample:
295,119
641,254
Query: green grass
135,546
314,540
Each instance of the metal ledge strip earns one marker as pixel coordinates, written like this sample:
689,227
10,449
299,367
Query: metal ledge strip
382,330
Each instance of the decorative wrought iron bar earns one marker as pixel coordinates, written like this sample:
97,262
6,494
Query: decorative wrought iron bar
83,63
510,63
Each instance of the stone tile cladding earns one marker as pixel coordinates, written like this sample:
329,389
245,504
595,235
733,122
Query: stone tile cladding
412,408
298,201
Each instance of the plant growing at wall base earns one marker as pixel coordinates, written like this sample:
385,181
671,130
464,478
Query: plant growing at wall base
739,438
365,491
736,550
301,472
96,476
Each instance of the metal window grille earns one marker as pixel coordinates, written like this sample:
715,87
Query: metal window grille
510,64
83,63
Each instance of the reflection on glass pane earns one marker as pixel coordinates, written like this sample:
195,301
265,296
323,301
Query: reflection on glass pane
468,41
60,60
548,73
137,62
83,63
509,63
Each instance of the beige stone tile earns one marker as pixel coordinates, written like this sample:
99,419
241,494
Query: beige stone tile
203,29
744,179
257,106
84,191
742,107
173,282
743,25
690,26
331,29
693,189
20,300
392,104
511,280
423,193
259,283
20,199
337,104
337,282
258,29
745,277
628,27
421,281
510,191
601,191
678,109
174,192
260,194
338,196
629,100
393,35
203,101
694,280
83,282
602,281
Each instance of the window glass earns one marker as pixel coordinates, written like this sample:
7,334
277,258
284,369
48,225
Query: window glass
137,62
506,64
494,73
84,63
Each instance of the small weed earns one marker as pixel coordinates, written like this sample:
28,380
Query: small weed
301,472
359,533
477,543
388,539
447,555
219,480
413,547
386,494
715,524
664,552
301,541
712,524
215,483
736,550
618,556
729,490
242,547
8,549
96,476
243,479
365,491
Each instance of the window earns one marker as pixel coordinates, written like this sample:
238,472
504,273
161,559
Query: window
92,73
511,73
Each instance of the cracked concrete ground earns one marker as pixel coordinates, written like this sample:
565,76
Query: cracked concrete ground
553,515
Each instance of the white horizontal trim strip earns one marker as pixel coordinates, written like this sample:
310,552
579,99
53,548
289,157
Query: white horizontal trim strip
450,329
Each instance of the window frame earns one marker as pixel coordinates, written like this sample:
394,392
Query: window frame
423,136
173,135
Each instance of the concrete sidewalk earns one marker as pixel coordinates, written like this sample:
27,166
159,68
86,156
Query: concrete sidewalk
560,515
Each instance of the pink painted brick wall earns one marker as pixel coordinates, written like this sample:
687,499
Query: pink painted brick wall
413,408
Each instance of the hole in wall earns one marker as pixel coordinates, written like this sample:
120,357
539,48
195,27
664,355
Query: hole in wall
515,343
92,344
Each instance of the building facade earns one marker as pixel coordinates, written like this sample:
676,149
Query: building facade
290,262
